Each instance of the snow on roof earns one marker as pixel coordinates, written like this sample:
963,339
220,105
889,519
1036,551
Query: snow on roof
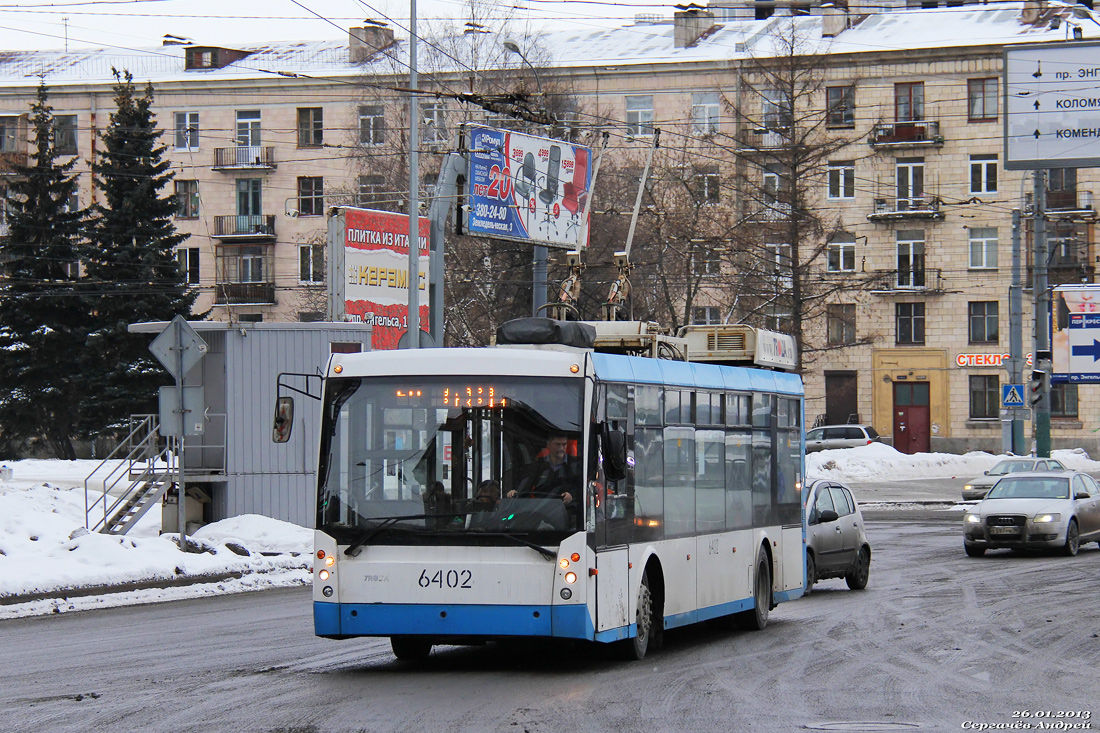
638,44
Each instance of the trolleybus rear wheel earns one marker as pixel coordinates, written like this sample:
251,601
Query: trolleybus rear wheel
755,619
410,648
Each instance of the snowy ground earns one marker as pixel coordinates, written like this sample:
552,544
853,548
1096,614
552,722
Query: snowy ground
45,550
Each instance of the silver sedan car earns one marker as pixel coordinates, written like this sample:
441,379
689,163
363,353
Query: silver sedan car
836,541
1056,510
976,487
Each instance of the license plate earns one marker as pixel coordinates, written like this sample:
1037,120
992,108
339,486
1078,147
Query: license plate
1004,530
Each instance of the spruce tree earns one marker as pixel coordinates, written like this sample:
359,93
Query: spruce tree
132,265
43,319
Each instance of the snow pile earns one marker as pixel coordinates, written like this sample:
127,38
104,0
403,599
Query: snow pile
45,548
879,461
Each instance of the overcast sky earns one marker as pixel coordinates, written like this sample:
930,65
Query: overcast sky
44,24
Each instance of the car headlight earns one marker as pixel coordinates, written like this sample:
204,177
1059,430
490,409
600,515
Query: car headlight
1047,518
968,487
973,519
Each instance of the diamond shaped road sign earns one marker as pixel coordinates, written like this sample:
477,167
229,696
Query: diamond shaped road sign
178,347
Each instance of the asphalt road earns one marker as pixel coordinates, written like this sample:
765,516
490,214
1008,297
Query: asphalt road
937,641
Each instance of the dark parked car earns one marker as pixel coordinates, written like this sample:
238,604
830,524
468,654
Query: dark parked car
840,436
836,542
977,487
1056,510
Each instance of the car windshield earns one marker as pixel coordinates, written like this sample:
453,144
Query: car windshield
404,459
1010,467
1028,487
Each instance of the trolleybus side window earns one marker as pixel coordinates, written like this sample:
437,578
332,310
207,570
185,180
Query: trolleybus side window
649,490
710,479
679,481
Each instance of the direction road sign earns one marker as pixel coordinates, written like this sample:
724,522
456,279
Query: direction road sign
1012,395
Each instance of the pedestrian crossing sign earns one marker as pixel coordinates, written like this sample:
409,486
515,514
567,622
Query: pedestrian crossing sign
1012,395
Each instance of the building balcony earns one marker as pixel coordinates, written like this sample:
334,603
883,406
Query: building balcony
920,134
775,211
245,294
924,280
245,226
244,157
763,139
1075,204
917,207
9,160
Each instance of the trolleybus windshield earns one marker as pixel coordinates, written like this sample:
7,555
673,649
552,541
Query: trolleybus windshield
414,459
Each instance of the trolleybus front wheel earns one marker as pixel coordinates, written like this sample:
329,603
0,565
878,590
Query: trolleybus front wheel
636,647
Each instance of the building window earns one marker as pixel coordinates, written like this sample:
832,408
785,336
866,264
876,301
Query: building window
189,264
187,131
1063,400
65,139
981,97
250,197
779,265
251,265
311,263
706,187
841,323
909,175
10,141
910,249
985,396
372,125
311,127
778,110
704,112
311,196
909,102
842,179
248,128
841,106
705,261
910,323
372,191
983,174
250,318
983,248
841,255
706,314
983,321
639,115
187,199
434,117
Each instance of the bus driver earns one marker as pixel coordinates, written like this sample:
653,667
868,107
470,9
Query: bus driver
555,474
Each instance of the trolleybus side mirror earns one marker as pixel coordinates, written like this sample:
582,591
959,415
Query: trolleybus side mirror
284,419
614,453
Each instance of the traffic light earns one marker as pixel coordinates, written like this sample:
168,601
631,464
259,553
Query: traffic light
1039,381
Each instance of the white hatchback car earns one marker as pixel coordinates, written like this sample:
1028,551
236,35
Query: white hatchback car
828,437
836,541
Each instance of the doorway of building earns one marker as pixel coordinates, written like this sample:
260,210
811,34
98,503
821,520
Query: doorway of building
841,403
912,417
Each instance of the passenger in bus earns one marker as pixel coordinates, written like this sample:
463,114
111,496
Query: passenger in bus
554,475
488,494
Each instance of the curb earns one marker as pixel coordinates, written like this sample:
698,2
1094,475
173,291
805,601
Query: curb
99,590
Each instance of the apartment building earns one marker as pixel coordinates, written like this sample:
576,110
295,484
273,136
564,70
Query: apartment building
265,140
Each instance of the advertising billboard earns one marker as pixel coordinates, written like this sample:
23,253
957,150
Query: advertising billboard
526,188
1075,333
376,271
1052,108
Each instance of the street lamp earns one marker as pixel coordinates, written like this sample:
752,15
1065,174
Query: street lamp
539,266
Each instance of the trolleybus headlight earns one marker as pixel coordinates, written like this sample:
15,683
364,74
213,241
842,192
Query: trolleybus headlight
566,594
575,557
330,561
323,575
564,563
320,554
570,577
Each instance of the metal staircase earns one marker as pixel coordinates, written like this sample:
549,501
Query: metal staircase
134,477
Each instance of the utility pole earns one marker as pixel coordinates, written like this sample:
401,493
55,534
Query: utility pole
1041,355
413,331
1015,425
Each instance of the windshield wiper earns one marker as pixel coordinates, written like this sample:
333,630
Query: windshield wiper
385,523
547,553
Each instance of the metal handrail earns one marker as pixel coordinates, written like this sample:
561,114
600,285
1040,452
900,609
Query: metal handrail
145,451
